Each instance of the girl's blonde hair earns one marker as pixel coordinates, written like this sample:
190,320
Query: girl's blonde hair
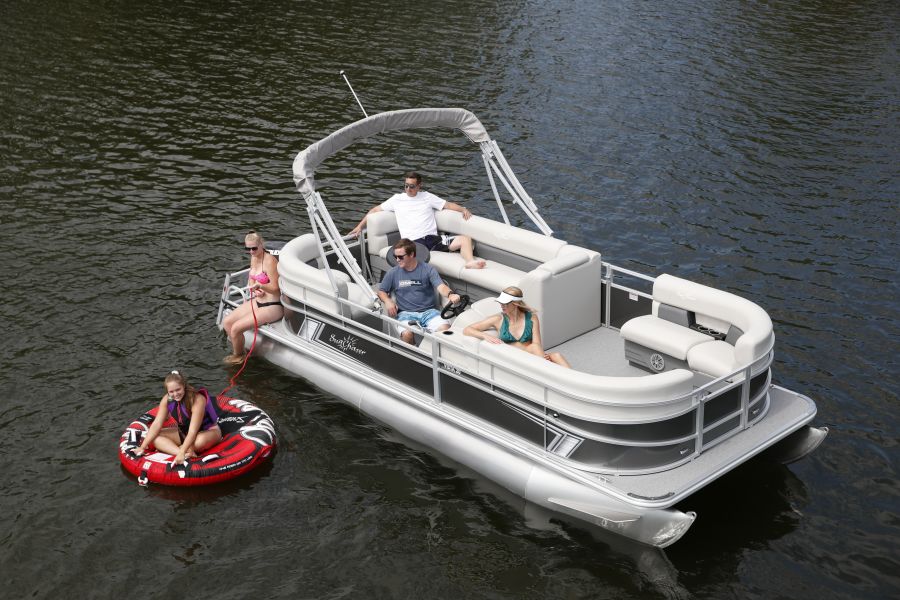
255,239
520,304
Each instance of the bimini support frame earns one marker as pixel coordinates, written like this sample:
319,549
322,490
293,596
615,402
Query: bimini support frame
495,162
323,226
307,161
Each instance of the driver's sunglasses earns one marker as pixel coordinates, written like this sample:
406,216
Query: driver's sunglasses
400,256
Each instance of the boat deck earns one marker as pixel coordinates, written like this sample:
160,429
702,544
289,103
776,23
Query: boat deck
599,352
787,412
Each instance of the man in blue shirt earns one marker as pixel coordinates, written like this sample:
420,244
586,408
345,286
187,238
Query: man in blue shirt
413,284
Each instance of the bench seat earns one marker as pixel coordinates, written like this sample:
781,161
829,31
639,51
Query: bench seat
734,331
561,282
302,278
582,395
667,337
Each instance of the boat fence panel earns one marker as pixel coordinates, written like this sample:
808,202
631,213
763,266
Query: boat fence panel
452,375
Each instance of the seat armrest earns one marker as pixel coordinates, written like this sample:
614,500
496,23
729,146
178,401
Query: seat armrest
565,291
563,263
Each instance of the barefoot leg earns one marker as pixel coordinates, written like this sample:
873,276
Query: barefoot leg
463,243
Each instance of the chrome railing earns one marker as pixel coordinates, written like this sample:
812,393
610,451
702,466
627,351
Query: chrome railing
742,378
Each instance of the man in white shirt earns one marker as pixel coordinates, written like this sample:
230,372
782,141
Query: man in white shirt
414,209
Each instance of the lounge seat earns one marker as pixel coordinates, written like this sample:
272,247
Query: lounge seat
664,336
695,326
560,281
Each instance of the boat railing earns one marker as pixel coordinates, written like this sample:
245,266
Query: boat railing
722,407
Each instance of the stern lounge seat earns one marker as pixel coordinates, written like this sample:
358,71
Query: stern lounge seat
698,327
583,395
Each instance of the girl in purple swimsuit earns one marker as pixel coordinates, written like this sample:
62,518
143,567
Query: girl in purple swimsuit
195,413
266,298
517,324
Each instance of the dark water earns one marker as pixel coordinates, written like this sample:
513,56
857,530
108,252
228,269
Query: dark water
751,146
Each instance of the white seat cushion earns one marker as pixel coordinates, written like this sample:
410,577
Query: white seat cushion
663,336
494,276
714,358
722,307
477,311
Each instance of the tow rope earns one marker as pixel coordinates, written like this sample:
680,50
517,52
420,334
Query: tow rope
233,381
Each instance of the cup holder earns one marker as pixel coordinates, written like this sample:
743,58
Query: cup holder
446,332
708,331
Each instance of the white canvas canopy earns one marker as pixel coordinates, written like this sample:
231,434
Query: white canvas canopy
307,161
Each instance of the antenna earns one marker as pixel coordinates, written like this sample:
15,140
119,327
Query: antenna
344,75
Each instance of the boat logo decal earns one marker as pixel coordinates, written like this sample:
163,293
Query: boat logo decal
452,369
346,344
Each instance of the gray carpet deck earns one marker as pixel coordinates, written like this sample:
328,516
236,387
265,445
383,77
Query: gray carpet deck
599,352
786,413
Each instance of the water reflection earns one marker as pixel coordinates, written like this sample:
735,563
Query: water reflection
189,497
749,508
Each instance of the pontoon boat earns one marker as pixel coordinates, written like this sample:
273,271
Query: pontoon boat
672,380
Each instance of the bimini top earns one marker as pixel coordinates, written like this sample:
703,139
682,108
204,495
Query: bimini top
307,161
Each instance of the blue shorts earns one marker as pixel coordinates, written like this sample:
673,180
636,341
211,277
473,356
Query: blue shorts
428,319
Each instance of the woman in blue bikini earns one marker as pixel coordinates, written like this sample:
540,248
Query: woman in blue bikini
517,325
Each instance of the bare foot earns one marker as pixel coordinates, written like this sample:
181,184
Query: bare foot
233,359
475,264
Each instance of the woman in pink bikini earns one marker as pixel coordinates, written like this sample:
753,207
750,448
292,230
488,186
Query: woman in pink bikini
265,296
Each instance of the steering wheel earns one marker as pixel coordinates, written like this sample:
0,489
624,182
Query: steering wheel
452,310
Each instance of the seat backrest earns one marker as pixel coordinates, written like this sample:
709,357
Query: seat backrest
302,249
530,244
379,227
300,277
721,310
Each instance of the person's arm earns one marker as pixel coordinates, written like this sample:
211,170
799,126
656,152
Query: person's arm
536,334
445,291
161,415
384,292
437,283
466,213
388,302
198,411
270,266
358,229
477,330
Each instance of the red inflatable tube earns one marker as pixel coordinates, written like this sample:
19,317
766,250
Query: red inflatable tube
248,438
